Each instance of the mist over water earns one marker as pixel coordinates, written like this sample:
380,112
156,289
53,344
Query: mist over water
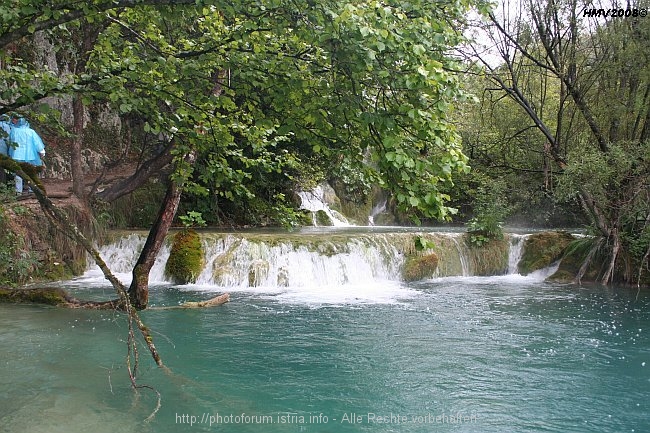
458,354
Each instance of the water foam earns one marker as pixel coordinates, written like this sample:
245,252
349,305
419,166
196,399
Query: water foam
316,270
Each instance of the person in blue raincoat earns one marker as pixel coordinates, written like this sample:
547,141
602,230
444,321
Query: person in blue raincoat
5,130
27,146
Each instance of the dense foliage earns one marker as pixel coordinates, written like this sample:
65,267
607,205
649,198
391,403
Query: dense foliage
565,119
267,93
272,94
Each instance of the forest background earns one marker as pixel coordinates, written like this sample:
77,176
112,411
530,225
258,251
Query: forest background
228,109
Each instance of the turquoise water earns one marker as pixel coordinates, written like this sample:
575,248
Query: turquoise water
500,354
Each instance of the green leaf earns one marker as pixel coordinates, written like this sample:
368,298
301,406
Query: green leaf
418,49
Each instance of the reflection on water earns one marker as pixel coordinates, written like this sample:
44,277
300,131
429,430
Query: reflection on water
508,354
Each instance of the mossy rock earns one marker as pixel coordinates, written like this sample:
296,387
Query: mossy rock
56,271
385,219
47,296
356,211
223,275
418,268
491,258
322,219
541,250
575,257
185,261
258,272
283,277
570,266
305,218
563,275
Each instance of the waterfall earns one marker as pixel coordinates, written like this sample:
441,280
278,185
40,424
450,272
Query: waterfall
314,201
515,252
309,260
376,210
463,255
236,261
121,255
241,262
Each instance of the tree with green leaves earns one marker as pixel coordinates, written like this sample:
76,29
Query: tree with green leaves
258,91
583,85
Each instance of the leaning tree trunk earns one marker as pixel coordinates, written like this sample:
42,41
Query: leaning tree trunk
139,289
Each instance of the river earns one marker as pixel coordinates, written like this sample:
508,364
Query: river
449,354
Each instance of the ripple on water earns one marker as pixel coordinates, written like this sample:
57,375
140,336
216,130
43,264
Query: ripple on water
523,356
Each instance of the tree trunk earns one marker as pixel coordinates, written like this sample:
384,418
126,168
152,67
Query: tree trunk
76,169
61,222
139,289
88,34
616,247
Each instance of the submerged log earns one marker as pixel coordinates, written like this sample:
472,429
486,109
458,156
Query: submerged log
58,297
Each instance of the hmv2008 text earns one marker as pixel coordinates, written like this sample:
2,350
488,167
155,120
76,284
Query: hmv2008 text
615,13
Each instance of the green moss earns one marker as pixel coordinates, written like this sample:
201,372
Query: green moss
322,219
356,211
543,249
570,266
305,218
56,271
420,267
385,219
185,261
47,296
575,256
563,276
491,258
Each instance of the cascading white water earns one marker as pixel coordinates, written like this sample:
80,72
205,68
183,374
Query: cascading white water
314,201
121,255
356,270
462,254
376,210
273,263
238,262
235,262
515,252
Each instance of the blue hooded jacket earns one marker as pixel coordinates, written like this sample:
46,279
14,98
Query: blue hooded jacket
28,145
5,126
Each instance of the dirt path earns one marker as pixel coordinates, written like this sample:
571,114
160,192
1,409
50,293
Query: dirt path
60,190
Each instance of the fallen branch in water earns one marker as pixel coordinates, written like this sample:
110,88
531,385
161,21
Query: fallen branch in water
212,302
